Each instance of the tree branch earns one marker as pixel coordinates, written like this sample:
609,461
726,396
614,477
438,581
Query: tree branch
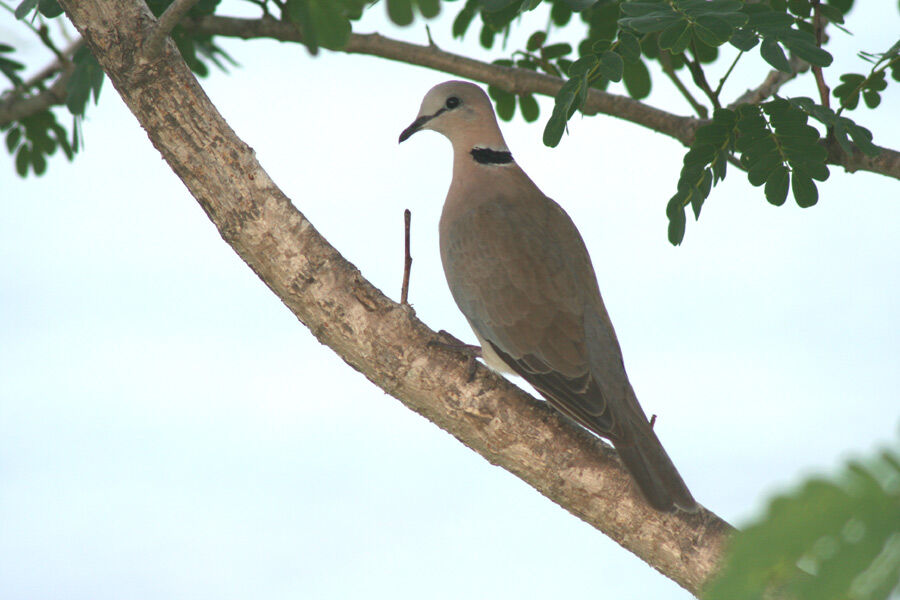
370,332
166,23
15,106
771,84
519,81
511,79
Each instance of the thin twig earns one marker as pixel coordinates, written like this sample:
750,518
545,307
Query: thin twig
56,66
666,62
166,24
727,73
41,31
700,77
819,26
407,261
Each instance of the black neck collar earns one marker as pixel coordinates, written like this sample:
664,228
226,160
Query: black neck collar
489,156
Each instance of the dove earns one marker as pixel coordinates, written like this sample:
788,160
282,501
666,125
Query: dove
521,274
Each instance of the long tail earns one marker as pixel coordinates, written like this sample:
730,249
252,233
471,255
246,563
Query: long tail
653,471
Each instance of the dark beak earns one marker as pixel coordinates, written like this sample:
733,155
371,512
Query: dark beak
416,125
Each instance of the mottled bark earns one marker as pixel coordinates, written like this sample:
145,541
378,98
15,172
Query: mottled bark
374,335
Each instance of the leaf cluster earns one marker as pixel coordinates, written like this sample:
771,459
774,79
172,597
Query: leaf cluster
776,147
10,67
772,142
402,12
323,23
36,137
833,538
854,85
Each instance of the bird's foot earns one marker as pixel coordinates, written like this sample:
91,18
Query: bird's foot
450,342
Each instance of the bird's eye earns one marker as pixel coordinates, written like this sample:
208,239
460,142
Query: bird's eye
452,102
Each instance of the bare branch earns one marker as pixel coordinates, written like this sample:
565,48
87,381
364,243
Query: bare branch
370,332
166,23
771,84
407,258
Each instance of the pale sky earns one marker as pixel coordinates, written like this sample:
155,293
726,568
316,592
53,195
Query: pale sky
169,430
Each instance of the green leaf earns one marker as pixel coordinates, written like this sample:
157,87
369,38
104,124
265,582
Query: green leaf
671,34
529,108
486,37
777,186
50,8
38,163
744,39
554,51
774,55
495,5
579,5
637,80
805,192
464,18
400,12
23,159
535,41
872,98
713,30
86,76
581,67
677,219
506,102
801,8
554,129
761,169
832,13
298,12
12,139
629,47
662,17
844,530
22,11
560,14
611,66
429,9
808,51
332,27
640,9
862,137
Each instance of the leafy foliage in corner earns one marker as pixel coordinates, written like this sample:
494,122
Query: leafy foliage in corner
869,86
87,76
777,148
10,67
771,141
401,12
33,139
833,538
323,23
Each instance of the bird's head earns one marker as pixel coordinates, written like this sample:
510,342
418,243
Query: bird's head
462,112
